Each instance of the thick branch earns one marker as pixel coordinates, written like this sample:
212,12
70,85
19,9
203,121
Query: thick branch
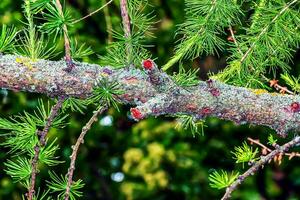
257,165
155,93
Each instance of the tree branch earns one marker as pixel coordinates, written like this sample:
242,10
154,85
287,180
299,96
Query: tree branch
125,18
42,143
155,93
68,56
260,163
75,148
268,150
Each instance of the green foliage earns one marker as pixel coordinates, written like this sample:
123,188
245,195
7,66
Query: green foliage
267,45
39,196
42,113
37,6
55,21
105,94
22,136
188,122
140,20
183,160
271,140
19,170
291,81
47,154
75,105
186,78
32,43
222,179
81,51
244,154
58,184
130,50
203,28
7,37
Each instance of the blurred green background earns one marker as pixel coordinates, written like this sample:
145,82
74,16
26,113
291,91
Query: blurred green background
151,159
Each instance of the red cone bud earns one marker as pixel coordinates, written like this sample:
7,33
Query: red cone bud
136,113
148,64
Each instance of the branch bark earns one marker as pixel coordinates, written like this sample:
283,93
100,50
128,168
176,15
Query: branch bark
155,93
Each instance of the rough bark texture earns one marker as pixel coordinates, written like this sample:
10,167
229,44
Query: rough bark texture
154,92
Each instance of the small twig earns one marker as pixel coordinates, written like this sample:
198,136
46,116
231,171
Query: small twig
42,143
80,140
125,18
68,57
257,142
260,163
234,40
92,13
126,27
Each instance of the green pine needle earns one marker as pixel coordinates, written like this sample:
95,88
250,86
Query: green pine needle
7,36
21,136
42,113
37,6
55,21
268,45
132,50
81,51
47,154
244,154
34,45
105,94
58,184
291,81
186,78
203,27
39,196
222,179
188,122
19,170
271,140
75,105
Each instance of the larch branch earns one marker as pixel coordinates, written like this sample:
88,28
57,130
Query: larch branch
155,93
